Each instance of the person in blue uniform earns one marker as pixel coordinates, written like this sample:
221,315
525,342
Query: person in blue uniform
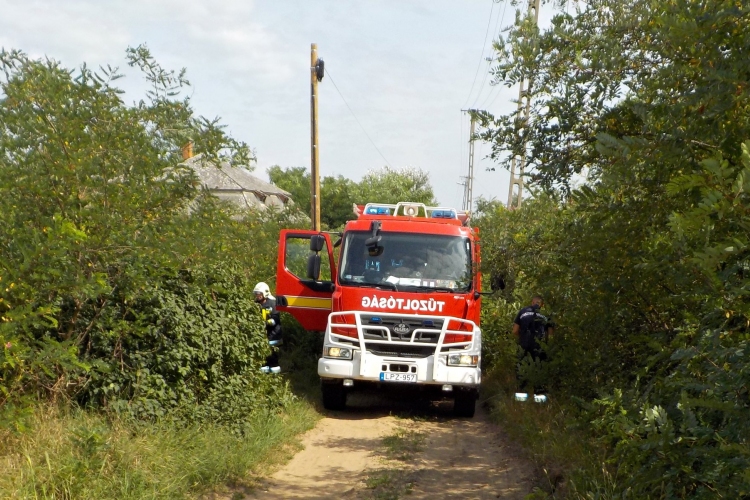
530,328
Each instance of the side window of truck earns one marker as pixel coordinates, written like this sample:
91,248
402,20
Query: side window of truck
297,252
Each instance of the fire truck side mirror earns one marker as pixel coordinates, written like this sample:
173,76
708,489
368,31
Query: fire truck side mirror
375,251
317,242
372,242
497,283
313,267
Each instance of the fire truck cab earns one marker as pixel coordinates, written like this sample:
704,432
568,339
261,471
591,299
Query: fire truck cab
397,296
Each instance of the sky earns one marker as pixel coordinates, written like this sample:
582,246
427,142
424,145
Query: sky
399,72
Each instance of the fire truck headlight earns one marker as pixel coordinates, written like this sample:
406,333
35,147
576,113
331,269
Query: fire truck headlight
338,352
462,360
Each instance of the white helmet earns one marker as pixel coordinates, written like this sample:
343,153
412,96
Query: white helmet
262,288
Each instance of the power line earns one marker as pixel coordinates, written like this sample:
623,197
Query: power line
496,90
481,56
357,119
489,58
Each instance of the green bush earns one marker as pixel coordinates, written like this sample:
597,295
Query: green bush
122,284
645,263
191,343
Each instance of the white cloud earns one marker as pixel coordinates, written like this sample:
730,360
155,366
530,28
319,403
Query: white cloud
71,28
405,68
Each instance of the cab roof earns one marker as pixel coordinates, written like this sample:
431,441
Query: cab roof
410,211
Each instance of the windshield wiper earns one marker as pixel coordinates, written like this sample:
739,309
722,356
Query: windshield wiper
386,284
423,288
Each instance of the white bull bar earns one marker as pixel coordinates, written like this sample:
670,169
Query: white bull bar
346,330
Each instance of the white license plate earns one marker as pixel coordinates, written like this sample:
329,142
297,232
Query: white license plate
398,377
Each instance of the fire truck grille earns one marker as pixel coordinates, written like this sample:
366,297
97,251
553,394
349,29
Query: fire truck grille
402,329
421,333
401,351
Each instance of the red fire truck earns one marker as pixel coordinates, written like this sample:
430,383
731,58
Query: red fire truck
400,305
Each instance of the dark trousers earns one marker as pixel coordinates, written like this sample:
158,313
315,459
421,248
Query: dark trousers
273,359
537,354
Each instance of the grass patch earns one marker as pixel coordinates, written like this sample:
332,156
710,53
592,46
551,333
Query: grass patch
299,359
403,444
563,453
389,484
395,479
83,455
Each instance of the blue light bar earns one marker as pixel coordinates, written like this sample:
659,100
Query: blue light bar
378,211
375,319
428,322
443,214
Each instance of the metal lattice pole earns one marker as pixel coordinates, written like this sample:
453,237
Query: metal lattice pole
469,184
524,109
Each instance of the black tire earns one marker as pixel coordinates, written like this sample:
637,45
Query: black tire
334,396
464,404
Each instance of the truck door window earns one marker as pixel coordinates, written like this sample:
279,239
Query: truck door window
297,252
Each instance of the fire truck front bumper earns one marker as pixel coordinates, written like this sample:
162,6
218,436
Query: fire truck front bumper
434,369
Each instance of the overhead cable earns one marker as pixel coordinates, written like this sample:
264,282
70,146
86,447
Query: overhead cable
496,88
357,119
489,58
481,56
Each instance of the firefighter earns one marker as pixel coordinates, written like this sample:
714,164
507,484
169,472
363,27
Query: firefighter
272,320
530,328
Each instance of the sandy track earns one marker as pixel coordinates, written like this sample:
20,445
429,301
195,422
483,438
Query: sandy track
468,458
461,458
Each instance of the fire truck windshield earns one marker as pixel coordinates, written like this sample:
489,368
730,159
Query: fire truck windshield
408,262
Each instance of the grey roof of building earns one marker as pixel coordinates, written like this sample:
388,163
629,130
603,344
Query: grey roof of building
227,178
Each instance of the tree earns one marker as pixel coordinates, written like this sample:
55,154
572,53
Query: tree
296,181
336,201
388,185
113,293
671,91
339,194
643,264
335,194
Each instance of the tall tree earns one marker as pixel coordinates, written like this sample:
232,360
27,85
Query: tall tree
295,180
644,264
123,284
338,194
388,185
336,200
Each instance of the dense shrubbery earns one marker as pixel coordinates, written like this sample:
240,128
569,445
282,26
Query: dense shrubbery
123,285
646,265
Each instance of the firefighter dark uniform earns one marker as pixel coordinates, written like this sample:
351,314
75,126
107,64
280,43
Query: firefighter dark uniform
531,327
272,320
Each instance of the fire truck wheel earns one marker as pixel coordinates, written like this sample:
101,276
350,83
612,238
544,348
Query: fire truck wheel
334,396
464,404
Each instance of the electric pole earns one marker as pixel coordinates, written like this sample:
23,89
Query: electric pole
524,106
469,184
316,74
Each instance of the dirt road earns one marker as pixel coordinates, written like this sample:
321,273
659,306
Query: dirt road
386,447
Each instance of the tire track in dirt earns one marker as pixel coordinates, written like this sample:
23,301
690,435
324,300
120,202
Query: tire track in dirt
467,459
460,458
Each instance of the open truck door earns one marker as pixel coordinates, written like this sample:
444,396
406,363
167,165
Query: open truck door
305,277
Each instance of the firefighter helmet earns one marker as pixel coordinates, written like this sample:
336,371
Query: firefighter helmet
261,289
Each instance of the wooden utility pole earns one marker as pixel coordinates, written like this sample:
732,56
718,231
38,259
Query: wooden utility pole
524,107
316,75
